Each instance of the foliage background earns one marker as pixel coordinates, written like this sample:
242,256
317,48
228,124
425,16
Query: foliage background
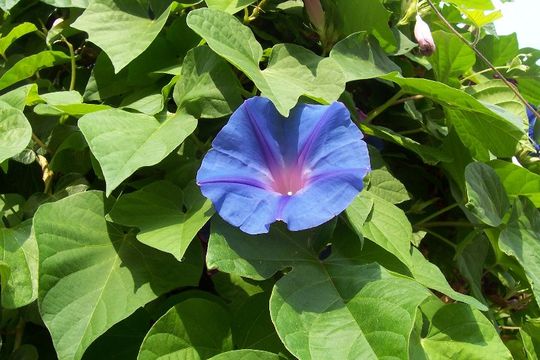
110,251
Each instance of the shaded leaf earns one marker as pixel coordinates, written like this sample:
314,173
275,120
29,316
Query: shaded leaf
520,240
193,329
93,275
361,59
452,59
518,180
207,87
18,265
15,33
246,354
487,199
459,332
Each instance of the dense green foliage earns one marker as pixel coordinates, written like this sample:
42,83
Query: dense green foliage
109,250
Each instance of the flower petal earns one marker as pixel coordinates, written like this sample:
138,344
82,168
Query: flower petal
326,197
246,136
302,170
239,193
334,143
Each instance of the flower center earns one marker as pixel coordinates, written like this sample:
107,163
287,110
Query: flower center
288,180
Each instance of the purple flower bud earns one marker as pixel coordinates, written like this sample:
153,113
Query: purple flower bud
422,33
315,13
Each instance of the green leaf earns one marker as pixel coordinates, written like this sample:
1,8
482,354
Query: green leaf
68,3
229,6
518,180
530,89
366,15
322,307
157,210
452,59
229,39
207,87
459,332
252,327
15,33
483,128
193,329
75,110
18,265
470,260
431,276
497,93
361,59
66,103
388,227
123,142
6,5
93,275
473,4
428,154
29,65
499,49
520,240
19,97
292,70
15,131
131,23
487,199
123,340
386,186
246,354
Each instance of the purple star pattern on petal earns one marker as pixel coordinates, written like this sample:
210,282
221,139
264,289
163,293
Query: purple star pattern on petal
302,170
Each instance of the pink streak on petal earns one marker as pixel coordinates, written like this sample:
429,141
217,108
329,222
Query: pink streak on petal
289,180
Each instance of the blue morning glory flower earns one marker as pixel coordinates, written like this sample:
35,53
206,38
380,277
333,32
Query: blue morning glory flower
532,123
302,170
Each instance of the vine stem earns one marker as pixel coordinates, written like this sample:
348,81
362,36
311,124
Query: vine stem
73,63
41,143
377,111
19,331
437,213
482,72
445,224
481,56
442,238
255,13
405,99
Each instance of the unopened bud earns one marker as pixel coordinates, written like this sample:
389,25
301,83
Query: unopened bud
315,13
423,36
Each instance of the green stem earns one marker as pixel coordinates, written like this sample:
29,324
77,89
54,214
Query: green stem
442,238
73,63
255,12
482,72
408,98
432,224
377,111
481,56
409,132
19,331
437,213
41,143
